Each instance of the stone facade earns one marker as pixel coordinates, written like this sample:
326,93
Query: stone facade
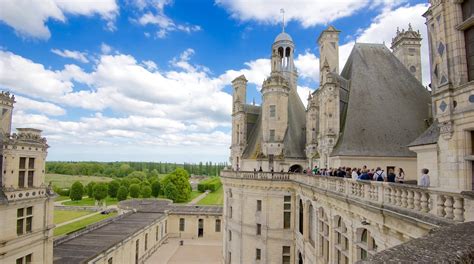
26,203
296,218
450,31
406,46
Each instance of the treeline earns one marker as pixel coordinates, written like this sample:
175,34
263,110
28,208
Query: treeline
122,169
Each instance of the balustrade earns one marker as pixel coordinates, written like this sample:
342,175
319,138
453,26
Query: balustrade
446,205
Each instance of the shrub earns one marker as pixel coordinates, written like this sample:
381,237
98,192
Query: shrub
77,190
90,189
122,193
100,191
211,184
155,188
171,192
146,191
113,188
180,179
134,190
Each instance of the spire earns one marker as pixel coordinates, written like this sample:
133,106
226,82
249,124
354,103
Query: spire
282,11
409,27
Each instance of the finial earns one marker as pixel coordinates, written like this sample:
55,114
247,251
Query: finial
398,30
253,101
282,11
409,27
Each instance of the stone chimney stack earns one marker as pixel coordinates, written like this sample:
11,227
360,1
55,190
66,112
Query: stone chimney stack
328,43
406,46
6,109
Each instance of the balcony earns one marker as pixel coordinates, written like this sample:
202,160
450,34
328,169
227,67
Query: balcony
15,194
434,206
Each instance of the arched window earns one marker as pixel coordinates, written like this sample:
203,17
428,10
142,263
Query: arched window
341,241
301,217
366,245
323,231
311,224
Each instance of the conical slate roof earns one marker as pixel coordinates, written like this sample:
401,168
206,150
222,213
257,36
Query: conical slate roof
387,105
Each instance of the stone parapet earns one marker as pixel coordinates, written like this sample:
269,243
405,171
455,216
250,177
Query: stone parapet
425,204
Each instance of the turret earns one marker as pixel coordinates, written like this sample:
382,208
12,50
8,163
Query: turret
328,43
239,95
283,50
6,108
406,46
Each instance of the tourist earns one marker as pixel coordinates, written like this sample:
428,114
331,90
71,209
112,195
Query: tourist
354,174
400,176
315,170
425,178
379,175
391,176
371,173
365,175
260,170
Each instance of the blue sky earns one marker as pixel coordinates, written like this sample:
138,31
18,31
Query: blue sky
149,80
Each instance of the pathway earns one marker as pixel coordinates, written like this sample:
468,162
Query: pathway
77,219
199,198
193,251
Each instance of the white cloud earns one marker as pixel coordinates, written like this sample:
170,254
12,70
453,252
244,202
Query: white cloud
304,92
308,66
306,12
72,54
23,104
383,29
105,49
28,17
153,14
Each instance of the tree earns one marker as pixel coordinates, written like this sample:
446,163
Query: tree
180,179
122,193
113,188
155,188
90,189
77,190
170,191
138,174
100,191
146,191
134,190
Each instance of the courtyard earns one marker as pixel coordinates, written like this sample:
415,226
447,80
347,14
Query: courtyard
192,251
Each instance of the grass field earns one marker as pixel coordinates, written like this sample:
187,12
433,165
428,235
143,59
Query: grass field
65,181
214,198
61,198
90,202
62,230
61,216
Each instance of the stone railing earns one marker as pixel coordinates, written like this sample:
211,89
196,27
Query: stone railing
14,194
445,205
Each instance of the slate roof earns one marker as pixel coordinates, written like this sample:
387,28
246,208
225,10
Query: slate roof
387,105
87,246
162,206
430,136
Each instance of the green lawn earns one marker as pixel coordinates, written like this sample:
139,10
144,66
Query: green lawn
90,202
62,230
61,198
214,198
61,216
65,181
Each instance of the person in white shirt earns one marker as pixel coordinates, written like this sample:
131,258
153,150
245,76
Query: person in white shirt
425,178
354,174
379,175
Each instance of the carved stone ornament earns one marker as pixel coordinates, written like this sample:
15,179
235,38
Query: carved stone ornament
446,129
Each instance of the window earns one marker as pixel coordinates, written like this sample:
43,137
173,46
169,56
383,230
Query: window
323,230
272,110
258,254
218,225
24,260
137,250
301,217
24,220
110,261
230,212
166,226
272,135
259,205
230,258
181,224
146,242
24,171
259,229
366,245
157,234
238,134
230,235
287,212
286,255
342,242
467,12
311,224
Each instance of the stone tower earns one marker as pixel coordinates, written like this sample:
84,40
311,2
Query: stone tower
328,43
6,108
239,129
406,47
26,203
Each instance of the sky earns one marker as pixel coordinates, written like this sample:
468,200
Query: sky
149,80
